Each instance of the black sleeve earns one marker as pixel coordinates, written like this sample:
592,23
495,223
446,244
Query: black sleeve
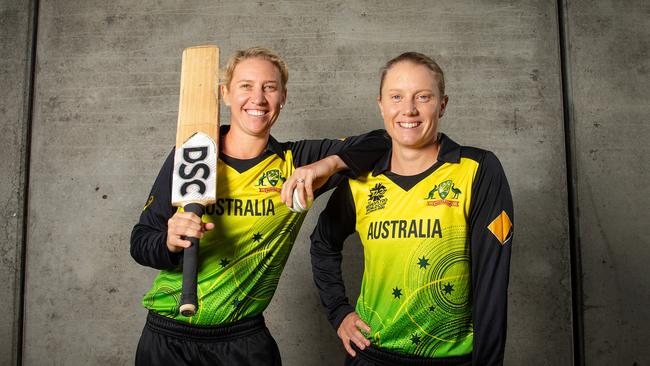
491,230
335,223
149,235
358,152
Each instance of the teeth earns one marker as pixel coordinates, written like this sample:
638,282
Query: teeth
255,112
408,124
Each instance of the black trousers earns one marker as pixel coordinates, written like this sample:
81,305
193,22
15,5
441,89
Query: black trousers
166,341
373,356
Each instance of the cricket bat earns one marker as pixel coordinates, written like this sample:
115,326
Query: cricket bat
194,181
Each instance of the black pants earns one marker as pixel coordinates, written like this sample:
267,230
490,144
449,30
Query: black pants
166,341
373,356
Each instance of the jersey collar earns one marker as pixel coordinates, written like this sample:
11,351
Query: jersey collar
449,153
272,146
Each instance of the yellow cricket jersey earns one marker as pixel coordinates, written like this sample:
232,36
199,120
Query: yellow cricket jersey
242,258
424,237
237,281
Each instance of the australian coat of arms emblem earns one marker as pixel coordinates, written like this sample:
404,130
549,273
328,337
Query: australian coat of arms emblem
268,181
444,189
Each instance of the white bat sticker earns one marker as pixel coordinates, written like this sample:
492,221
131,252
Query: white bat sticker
195,169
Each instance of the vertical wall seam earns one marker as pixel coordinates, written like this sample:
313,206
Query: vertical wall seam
572,185
28,114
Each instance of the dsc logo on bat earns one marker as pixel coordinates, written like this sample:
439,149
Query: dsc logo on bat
192,155
195,165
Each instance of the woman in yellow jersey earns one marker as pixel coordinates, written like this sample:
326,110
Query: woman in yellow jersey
246,237
436,222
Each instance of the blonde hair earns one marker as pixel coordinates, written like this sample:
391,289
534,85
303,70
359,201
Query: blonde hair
418,59
256,52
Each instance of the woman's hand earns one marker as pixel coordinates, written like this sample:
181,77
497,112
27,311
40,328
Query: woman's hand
184,224
349,330
310,177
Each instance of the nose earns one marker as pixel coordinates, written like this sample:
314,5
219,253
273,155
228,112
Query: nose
258,97
410,109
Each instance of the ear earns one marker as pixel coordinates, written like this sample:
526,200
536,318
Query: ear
381,108
225,95
443,106
284,97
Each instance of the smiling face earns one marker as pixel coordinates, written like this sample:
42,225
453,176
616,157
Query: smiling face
255,96
411,105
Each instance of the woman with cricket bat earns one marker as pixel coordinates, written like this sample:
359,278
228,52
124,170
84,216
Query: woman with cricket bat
246,236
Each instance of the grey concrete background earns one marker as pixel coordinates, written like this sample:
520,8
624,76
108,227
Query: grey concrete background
15,42
104,118
610,61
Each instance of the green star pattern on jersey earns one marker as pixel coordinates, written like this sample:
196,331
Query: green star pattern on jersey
415,294
241,259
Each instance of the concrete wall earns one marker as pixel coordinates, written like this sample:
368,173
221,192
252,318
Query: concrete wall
15,42
105,107
610,61
104,118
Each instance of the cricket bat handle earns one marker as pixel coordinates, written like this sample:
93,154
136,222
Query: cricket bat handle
189,300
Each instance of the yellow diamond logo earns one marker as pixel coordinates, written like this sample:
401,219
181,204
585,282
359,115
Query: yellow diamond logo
500,227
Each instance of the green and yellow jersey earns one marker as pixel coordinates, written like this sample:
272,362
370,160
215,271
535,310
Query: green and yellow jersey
436,254
242,258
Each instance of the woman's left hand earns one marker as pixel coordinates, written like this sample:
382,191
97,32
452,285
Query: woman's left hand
310,177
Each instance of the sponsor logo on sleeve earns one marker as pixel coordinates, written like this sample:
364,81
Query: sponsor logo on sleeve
501,228
149,202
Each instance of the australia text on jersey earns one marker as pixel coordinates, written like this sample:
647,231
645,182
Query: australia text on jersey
238,207
404,229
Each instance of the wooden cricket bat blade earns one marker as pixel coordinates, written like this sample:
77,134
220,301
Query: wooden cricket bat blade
194,180
197,134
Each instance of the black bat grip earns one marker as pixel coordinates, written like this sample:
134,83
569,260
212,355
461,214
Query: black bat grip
189,301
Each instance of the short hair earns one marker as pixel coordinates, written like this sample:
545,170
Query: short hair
418,59
256,52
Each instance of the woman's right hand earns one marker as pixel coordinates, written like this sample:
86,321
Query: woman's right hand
349,331
184,224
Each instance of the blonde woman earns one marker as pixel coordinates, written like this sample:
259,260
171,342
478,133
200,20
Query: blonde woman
246,237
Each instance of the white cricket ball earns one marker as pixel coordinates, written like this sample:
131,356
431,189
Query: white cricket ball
297,205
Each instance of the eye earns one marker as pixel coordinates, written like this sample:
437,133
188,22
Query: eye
270,87
424,98
396,97
245,86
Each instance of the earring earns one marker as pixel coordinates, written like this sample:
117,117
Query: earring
281,106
